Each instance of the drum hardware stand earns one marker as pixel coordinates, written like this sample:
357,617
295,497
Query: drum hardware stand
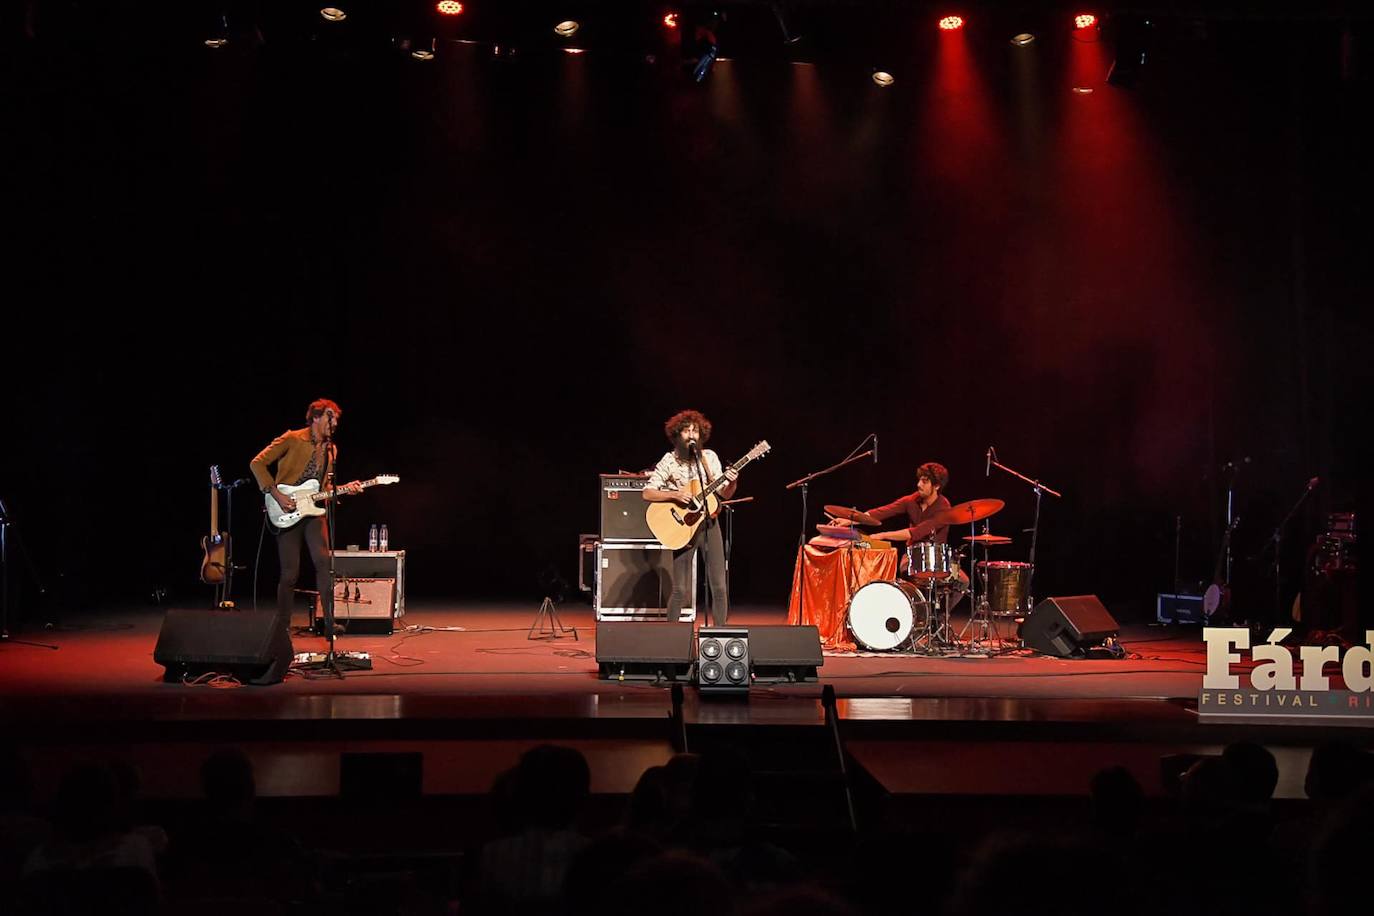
803,483
980,618
936,634
1039,488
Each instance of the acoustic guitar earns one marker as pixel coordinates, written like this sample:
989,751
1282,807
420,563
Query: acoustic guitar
675,525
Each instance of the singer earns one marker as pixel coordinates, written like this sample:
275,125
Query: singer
301,455
688,431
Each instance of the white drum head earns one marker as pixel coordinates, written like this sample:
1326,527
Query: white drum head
881,614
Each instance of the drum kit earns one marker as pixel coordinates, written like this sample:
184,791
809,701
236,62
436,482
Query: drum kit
912,613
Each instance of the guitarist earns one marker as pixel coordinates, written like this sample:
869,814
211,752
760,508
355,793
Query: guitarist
670,482
301,455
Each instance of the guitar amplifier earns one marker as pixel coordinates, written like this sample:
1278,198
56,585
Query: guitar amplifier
369,589
634,580
623,507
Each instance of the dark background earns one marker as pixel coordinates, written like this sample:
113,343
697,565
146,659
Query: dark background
509,274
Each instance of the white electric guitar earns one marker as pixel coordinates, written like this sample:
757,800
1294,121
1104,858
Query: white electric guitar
310,501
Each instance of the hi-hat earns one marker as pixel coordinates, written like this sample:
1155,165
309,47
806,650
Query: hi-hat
975,510
989,539
852,515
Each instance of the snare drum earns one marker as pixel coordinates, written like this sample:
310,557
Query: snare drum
883,614
925,560
1007,587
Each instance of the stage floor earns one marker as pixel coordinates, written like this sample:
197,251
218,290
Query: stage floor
472,650
468,673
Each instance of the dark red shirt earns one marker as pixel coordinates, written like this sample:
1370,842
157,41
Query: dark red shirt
910,506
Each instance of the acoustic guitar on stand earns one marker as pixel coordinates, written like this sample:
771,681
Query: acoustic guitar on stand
310,501
675,525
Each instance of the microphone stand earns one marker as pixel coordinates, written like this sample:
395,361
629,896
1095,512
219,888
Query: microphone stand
5,524
1276,542
695,453
804,484
1039,488
332,663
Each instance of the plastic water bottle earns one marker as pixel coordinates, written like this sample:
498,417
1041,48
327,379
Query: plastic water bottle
383,539
372,539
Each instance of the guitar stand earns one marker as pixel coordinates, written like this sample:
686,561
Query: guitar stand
548,625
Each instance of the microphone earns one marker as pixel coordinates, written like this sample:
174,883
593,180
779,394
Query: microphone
1312,484
875,448
987,471
693,447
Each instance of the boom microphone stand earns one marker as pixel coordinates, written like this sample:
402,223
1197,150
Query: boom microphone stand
1039,488
1276,543
804,484
331,662
5,524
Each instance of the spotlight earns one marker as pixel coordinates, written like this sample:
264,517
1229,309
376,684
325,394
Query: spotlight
1022,39
449,7
950,23
670,20
567,28
883,78
422,54
1084,21
333,14
216,43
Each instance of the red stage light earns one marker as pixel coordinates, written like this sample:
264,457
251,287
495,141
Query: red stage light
1084,21
950,23
449,7
670,20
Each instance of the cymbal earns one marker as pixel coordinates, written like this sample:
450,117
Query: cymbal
975,510
844,532
852,515
989,539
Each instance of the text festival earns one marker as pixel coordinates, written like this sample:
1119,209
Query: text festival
1274,686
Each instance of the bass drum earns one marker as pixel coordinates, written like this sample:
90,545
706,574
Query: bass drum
882,615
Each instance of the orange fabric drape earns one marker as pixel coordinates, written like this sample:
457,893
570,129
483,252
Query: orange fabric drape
831,577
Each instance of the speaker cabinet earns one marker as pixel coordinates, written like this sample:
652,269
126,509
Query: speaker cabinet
643,651
634,581
785,653
253,646
1068,627
723,662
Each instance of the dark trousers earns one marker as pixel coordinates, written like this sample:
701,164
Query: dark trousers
706,543
316,537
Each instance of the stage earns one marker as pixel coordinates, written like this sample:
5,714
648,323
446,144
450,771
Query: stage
466,689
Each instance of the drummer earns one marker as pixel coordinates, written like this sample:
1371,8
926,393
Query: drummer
918,508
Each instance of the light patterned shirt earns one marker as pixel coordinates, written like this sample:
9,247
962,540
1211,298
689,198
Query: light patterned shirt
672,473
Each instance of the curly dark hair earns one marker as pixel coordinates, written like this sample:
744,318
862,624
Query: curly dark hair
935,472
685,418
319,406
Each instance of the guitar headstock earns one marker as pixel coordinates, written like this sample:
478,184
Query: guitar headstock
214,475
387,478
758,451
